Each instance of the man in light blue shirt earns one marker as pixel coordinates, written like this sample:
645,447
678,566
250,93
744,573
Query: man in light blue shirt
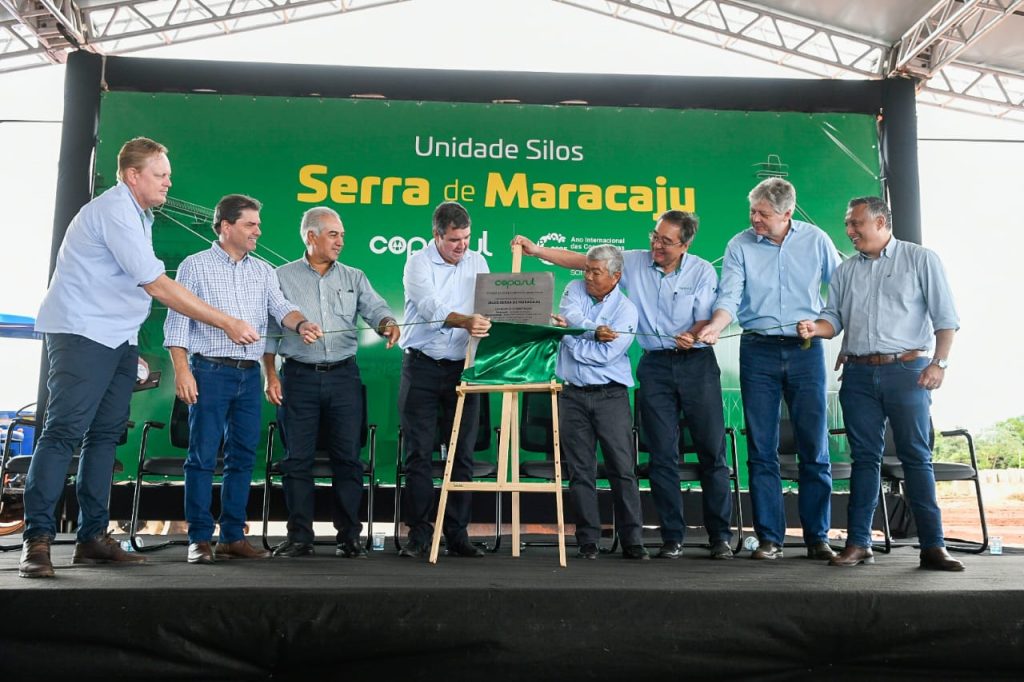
440,284
594,403
772,277
220,381
104,280
673,291
895,305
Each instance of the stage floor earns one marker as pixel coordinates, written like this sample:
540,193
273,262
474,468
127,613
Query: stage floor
502,617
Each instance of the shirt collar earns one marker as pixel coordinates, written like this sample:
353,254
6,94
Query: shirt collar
658,269
309,266
219,252
146,212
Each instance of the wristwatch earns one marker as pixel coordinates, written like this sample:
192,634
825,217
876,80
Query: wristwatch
941,364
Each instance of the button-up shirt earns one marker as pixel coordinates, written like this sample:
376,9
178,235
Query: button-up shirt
766,285
890,304
106,258
584,361
333,301
434,288
246,289
667,303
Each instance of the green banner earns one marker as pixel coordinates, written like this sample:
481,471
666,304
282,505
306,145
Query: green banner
570,176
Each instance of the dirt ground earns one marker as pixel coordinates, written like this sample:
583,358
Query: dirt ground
1004,510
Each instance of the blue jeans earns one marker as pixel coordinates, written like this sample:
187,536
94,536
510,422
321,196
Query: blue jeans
587,416
90,389
228,411
870,395
330,403
773,368
687,382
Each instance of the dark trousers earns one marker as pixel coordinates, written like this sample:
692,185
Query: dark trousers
585,418
330,403
90,389
690,383
427,389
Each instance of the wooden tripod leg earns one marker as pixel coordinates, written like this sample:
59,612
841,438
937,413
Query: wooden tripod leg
558,478
514,419
435,544
507,431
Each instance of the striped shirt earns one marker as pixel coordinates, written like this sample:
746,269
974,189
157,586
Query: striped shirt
246,289
333,301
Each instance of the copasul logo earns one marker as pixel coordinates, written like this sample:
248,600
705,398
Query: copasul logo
396,245
399,245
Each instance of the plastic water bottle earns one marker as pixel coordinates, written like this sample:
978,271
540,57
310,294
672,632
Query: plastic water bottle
995,545
126,545
750,543
378,540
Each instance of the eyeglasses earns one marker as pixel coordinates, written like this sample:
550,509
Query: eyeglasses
661,241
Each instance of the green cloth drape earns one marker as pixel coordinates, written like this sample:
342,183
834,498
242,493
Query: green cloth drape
514,353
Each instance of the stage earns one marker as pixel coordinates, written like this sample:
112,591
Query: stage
501,618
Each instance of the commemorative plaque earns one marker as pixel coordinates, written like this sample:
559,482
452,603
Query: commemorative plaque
525,297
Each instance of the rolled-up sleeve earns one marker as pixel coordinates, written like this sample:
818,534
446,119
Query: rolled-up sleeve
730,288
176,326
126,238
277,305
419,289
938,294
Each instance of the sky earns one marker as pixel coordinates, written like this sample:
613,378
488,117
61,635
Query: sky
969,190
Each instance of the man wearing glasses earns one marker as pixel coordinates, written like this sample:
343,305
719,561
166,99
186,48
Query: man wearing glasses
673,291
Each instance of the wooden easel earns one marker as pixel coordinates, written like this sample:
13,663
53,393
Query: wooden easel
508,452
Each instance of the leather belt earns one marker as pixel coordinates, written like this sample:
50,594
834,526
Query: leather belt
884,358
677,351
593,387
772,338
230,362
321,366
420,355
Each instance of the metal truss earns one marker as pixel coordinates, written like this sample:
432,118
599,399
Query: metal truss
928,52
40,32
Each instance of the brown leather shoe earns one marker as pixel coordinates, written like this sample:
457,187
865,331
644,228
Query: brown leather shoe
938,559
239,549
104,549
820,551
767,550
200,553
853,555
35,558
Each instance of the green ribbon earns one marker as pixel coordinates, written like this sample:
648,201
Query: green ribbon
514,353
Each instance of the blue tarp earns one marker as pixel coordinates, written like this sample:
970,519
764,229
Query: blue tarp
18,327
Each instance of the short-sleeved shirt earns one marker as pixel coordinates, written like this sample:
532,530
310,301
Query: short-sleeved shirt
105,260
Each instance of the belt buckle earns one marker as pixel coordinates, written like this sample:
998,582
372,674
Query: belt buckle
323,367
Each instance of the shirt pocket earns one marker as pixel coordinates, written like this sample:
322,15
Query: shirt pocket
682,308
899,289
343,303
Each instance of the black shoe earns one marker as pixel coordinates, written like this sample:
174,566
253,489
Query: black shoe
720,550
351,549
587,551
294,549
820,551
636,552
767,551
670,550
414,550
465,549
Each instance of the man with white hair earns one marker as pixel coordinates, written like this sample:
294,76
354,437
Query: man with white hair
319,389
772,277
594,404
